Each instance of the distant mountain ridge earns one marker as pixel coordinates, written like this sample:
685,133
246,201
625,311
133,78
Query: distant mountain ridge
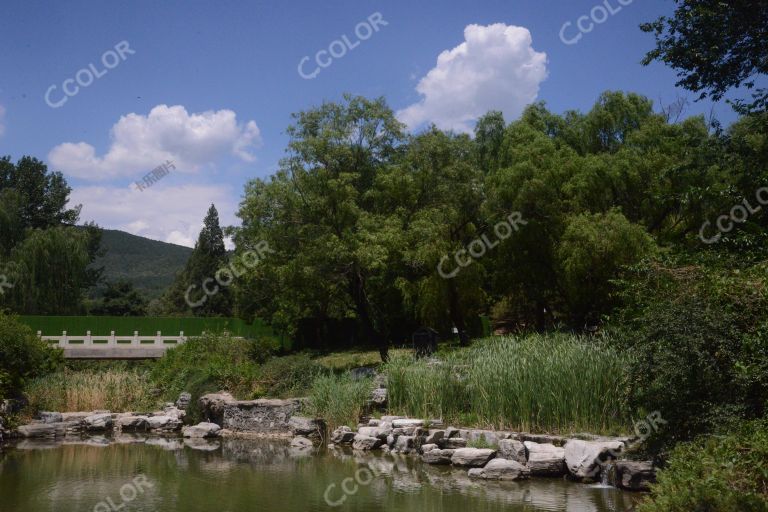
150,265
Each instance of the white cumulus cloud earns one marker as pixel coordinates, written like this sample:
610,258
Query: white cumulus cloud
495,68
140,143
168,214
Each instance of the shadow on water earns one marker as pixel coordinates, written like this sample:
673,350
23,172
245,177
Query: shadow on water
184,475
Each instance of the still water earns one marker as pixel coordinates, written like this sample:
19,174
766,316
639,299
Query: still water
173,475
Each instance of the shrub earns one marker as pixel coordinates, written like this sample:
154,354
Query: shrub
286,376
701,343
339,399
715,474
23,356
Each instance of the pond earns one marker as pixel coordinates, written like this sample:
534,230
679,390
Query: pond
173,475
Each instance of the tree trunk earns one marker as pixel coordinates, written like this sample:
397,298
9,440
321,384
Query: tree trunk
363,309
454,311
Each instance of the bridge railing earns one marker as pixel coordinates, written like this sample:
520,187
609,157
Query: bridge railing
66,341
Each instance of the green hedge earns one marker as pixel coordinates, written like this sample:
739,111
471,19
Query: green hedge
146,326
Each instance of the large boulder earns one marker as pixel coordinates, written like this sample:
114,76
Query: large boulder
453,443
635,476
164,423
184,400
545,459
512,449
263,417
378,432
405,444
201,430
500,469
41,430
584,459
131,423
437,457
472,457
363,442
406,423
98,422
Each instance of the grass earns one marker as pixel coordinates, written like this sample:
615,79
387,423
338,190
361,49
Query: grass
339,399
340,361
88,390
540,383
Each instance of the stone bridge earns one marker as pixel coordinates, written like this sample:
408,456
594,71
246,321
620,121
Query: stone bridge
114,347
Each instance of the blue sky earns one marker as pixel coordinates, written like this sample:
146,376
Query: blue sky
211,85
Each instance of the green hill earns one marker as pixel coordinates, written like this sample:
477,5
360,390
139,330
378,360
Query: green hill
148,264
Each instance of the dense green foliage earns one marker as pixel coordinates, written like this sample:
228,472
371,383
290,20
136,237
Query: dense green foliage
23,356
149,265
120,299
716,474
553,383
715,46
45,261
700,339
195,292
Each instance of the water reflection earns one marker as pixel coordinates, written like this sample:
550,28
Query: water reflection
237,475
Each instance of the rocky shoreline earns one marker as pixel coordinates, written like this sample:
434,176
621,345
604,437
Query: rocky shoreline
483,454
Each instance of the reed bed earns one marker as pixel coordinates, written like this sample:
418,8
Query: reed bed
89,390
339,399
554,383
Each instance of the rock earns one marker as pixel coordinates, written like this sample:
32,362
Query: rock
545,459
363,442
172,411
512,449
500,469
379,398
543,439
373,422
434,436
405,444
164,423
488,437
131,423
302,443
264,416
428,448
451,432
635,476
390,419
342,435
405,423
184,400
377,432
50,417
40,430
98,422
307,427
454,443
584,458
201,430
472,457
438,457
